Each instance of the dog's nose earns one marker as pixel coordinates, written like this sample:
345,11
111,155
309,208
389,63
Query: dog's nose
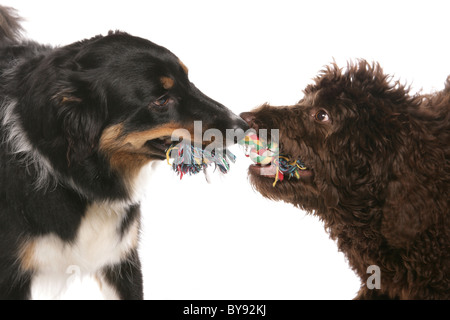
240,128
250,118
240,123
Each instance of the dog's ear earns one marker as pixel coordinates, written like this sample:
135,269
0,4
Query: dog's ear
81,112
403,213
329,189
331,197
415,178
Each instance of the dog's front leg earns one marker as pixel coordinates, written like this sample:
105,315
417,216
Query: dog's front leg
14,286
123,281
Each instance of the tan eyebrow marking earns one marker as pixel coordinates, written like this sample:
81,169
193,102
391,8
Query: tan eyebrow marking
167,82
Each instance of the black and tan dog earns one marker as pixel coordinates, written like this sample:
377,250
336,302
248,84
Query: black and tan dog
78,123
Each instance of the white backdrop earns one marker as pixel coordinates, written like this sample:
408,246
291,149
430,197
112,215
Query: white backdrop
222,240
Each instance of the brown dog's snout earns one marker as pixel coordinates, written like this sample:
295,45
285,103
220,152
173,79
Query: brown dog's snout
249,117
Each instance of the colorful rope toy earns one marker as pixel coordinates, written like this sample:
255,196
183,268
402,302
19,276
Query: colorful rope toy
188,159
264,154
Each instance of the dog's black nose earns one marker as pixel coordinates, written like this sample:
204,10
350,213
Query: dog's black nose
240,123
236,130
240,128
250,118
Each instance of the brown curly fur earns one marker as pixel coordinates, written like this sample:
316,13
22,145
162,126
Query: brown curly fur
380,175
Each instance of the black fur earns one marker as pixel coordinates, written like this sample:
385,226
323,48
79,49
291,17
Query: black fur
126,277
55,107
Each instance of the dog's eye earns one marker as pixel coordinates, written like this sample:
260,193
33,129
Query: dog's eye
322,116
162,101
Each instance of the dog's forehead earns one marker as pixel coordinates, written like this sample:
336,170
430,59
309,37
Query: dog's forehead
328,97
309,99
127,48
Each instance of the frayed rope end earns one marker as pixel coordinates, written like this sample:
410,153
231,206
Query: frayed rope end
188,159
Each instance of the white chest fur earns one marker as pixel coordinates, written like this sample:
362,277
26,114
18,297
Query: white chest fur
99,243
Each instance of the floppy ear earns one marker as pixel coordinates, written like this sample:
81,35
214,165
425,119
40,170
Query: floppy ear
417,169
81,114
329,190
355,160
331,197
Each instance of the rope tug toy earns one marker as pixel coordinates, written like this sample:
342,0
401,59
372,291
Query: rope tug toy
264,154
188,159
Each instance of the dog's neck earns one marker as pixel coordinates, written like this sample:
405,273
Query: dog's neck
18,143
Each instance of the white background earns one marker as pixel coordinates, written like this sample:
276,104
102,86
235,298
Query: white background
222,240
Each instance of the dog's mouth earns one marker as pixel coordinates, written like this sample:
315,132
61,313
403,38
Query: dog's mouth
293,171
271,171
272,163
159,146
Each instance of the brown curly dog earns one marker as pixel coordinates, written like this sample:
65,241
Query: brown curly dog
378,176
